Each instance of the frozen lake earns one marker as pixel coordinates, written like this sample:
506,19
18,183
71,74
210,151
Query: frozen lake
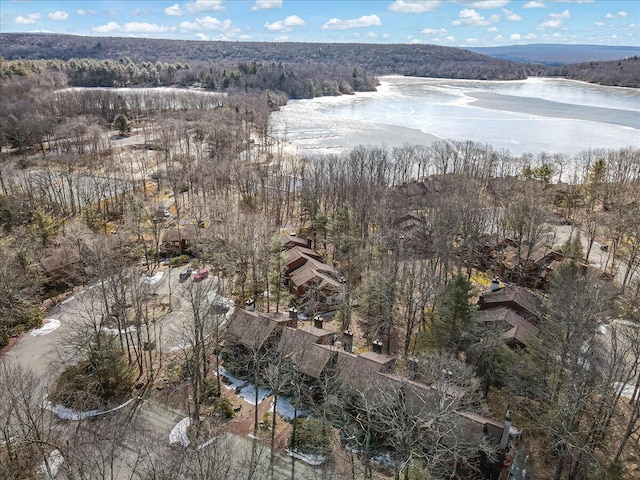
534,115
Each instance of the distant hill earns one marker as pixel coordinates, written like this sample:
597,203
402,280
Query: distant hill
379,59
556,54
619,73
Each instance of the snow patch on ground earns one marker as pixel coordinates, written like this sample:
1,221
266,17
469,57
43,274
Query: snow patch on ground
286,410
179,433
68,299
233,382
207,443
153,279
50,325
307,458
66,413
55,461
627,323
248,393
625,389
116,332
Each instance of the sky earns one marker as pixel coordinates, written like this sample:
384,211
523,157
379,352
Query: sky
458,23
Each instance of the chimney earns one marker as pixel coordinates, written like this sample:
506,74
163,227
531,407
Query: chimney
317,321
293,317
495,285
377,346
505,431
347,341
250,305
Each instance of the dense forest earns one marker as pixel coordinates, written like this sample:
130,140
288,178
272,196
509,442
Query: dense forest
329,62
283,80
621,73
402,59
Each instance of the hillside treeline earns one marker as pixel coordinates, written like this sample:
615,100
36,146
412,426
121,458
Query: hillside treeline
618,73
380,59
285,80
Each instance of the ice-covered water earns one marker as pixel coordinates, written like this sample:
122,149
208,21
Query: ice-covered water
533,115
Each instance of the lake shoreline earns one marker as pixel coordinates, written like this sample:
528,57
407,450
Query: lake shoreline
521,116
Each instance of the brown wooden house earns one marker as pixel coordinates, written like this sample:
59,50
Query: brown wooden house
518,299
516,331
180,239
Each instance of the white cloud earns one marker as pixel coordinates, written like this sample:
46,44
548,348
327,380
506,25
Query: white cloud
471,17
28,19
554,20
560,16
267,4
285,25
498,38
202,36
533,4
450,38
616,15
364,21
471,40
59,15
511,16
515,37
600,24
414,6
144,27
485,4
83,12
173,10
109,27
492,29
200,6
551,24
385,35
281,38
434,31
530,36
207,23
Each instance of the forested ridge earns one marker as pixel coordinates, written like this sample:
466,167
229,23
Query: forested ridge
379,59
620,73
324,62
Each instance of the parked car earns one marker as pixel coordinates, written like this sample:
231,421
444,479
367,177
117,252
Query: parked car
201,275
185,274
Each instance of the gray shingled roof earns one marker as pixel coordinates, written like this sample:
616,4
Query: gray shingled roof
517,295
251,329
516,327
